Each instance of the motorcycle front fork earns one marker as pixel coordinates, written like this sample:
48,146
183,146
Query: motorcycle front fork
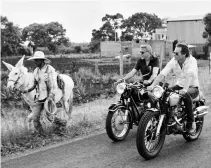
160,124
127,110
126,115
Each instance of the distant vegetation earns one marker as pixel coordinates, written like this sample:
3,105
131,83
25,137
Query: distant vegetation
51,37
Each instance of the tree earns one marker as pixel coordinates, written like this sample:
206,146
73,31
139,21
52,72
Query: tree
207,30
49,35
114,22
106,32
10,37
136,26
207,34
141,25
77,49
94,45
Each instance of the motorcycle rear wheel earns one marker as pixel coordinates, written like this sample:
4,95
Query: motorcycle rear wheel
146,136
199,126
116,128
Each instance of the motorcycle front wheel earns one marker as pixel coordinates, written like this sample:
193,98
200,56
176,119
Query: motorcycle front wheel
147,143
117,129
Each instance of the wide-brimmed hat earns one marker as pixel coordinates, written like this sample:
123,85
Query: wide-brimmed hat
191,46
39,55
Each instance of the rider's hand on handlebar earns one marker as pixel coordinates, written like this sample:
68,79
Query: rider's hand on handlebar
118,81
149,88
146,82
182,92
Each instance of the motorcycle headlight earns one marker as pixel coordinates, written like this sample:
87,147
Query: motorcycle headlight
120,88
158,91
148,105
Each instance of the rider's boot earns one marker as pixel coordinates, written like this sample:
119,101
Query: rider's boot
191,128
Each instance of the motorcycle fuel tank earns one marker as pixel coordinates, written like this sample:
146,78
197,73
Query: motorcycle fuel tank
174,99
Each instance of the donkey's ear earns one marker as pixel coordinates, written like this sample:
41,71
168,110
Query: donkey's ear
20,62
9,66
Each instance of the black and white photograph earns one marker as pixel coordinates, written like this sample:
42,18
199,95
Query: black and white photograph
105,83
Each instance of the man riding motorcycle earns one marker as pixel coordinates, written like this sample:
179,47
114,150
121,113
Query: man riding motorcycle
148,65
184,67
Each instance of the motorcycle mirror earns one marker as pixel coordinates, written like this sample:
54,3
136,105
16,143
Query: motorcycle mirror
161,83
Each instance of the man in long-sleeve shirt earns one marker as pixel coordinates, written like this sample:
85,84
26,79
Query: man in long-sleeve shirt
46,84
45,75
184,66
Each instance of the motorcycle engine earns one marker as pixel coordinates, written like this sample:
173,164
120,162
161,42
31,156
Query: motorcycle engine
177,113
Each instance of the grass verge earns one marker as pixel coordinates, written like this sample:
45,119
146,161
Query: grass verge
86,118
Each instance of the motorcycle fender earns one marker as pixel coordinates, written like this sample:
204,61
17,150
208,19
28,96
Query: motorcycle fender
153,110
113,107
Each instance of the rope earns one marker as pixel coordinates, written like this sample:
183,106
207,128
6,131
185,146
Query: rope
50,110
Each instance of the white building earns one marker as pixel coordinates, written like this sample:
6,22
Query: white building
186,28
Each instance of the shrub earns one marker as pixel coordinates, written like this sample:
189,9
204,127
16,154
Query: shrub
205,50
196,55
45,50
86,50
66,50
77,49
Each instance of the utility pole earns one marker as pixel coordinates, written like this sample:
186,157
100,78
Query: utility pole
210,63
121,59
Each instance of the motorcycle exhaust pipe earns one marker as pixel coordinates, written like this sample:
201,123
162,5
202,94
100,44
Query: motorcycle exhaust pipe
201,111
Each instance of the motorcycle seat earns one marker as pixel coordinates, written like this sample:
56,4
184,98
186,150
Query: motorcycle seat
199,97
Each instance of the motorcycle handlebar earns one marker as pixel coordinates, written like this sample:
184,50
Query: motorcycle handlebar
174,91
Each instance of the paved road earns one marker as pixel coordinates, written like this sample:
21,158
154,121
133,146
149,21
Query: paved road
100,152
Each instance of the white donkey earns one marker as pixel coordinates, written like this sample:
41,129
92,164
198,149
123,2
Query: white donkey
20,79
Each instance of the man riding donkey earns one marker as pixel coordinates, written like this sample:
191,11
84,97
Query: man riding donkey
46,85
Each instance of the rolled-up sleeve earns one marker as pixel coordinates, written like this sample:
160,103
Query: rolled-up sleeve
192,69
168,68
192,73
52,74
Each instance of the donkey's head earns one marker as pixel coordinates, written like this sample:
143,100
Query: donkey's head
17,74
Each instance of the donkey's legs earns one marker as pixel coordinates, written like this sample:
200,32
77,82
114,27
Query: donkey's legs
68,105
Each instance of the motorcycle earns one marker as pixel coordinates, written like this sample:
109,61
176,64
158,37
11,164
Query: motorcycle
169,117
127,111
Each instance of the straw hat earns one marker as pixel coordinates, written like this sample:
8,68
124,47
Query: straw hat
191,46
39,55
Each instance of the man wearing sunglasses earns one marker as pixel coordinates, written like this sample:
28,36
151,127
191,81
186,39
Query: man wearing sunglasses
147,64
184,66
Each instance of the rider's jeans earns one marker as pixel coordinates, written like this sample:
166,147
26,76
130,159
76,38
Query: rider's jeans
192,93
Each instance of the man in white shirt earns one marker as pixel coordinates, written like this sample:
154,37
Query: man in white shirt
46,84
184,67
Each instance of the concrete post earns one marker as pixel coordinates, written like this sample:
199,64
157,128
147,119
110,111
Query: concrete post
121,62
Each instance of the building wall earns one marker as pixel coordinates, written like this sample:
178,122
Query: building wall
188,31
136,48
160,34
159,47
110,48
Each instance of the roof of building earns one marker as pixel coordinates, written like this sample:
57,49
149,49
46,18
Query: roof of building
186,18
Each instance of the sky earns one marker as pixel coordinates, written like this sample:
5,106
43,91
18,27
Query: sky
80,17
